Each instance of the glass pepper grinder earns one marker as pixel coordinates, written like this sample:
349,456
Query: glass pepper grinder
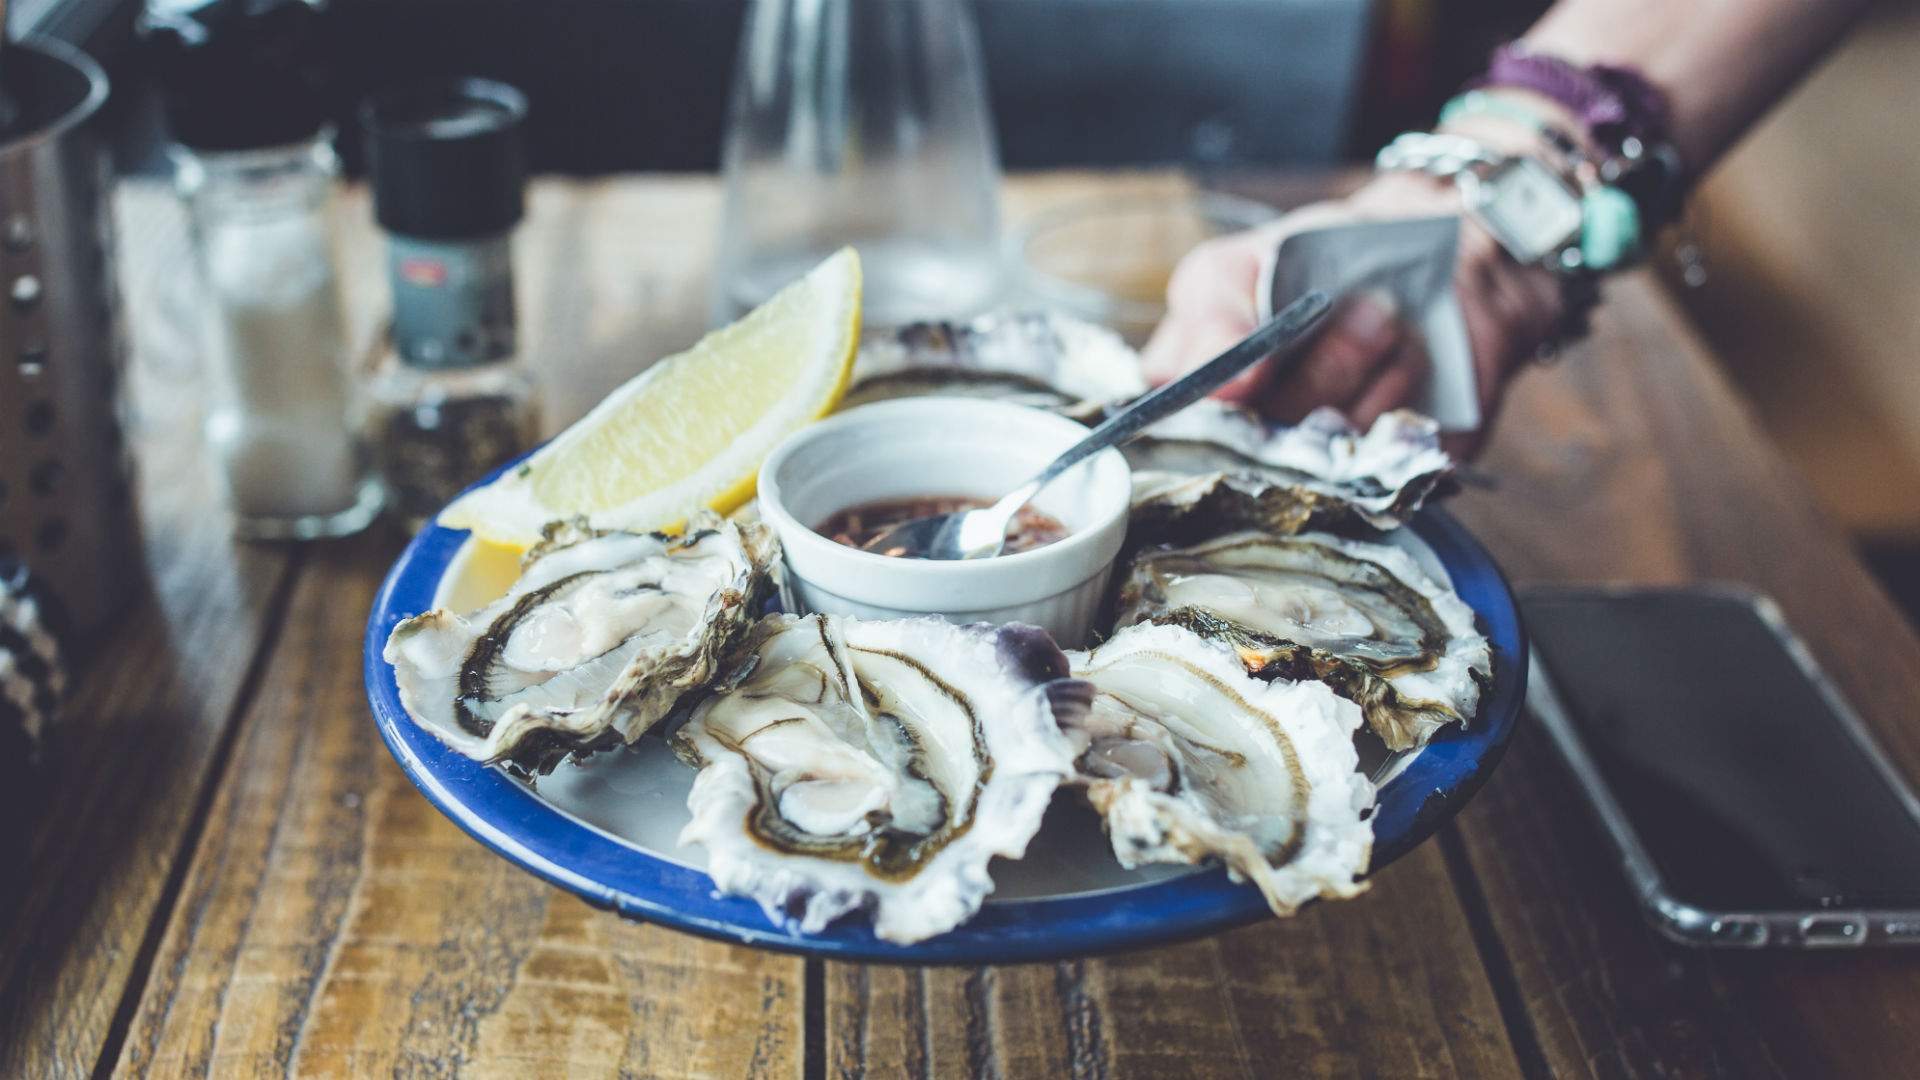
255,168
452,399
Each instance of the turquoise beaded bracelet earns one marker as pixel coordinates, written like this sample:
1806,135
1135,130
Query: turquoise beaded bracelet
1610,222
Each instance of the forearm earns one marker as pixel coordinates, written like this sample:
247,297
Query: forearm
1721,62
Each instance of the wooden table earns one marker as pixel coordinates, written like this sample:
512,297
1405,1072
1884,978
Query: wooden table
233,877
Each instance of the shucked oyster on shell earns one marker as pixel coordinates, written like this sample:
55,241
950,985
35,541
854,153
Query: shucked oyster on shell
1362,617
1189,758
1213,467
602,635
1030,358
877,764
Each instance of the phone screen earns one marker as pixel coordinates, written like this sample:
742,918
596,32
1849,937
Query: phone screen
1740,777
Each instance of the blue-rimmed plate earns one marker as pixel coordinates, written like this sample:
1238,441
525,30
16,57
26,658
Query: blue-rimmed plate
607,829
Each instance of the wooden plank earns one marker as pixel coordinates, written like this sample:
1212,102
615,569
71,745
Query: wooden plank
127,769
334,923
1389,984
1638,446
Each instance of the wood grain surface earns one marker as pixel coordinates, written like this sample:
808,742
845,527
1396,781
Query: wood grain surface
239,881
1670,480
135,755
1387,985
335,924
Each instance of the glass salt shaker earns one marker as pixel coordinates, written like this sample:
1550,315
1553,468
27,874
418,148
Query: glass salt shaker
256,172
451,399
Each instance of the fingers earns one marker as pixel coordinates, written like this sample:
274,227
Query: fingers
1210,298
1210,305
1398,384
1343,361
1367,362
1464,445
1509,311
1218,274
1178,345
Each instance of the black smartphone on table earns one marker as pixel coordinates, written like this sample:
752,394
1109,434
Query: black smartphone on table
1746,799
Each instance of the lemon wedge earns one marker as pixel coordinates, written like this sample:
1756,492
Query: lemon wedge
690,431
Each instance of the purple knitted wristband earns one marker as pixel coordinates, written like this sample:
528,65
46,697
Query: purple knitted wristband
1613,103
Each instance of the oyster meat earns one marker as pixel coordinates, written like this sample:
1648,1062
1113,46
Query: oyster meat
877,764
602,635
1187,757
1215,467
1362,617
1030,358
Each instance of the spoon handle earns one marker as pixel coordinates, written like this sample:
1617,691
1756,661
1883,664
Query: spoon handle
1285,329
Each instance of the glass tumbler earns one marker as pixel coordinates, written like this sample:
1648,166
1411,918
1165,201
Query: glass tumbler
1108,258
861,122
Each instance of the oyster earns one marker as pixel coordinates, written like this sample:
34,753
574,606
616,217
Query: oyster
1188,757
1364,618
1217,467
877,764
1030,358
602,635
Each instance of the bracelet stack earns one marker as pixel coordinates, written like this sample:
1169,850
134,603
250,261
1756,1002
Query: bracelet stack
1577,206
1622,113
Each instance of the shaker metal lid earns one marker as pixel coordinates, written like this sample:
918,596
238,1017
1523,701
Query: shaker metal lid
448,159
237,74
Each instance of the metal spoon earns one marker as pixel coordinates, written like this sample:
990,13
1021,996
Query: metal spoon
981,534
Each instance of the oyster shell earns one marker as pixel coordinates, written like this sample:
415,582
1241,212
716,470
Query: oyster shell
1212,467
1030,358
1362,617
1188,758
877,764
602,635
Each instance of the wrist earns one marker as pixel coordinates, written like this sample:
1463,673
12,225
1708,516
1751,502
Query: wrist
1514,120
1628,186
1398,191
1548,212
1617,121
1610,103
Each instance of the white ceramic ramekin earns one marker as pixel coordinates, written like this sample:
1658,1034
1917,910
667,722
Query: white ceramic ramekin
946,446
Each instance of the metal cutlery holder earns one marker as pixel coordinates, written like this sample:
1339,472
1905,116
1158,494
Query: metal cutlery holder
66,498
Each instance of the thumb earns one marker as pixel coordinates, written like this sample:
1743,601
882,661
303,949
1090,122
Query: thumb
1183,342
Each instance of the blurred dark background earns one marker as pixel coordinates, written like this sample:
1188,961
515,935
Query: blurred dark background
625,85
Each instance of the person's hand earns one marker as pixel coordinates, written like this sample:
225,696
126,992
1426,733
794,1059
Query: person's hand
1366,362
